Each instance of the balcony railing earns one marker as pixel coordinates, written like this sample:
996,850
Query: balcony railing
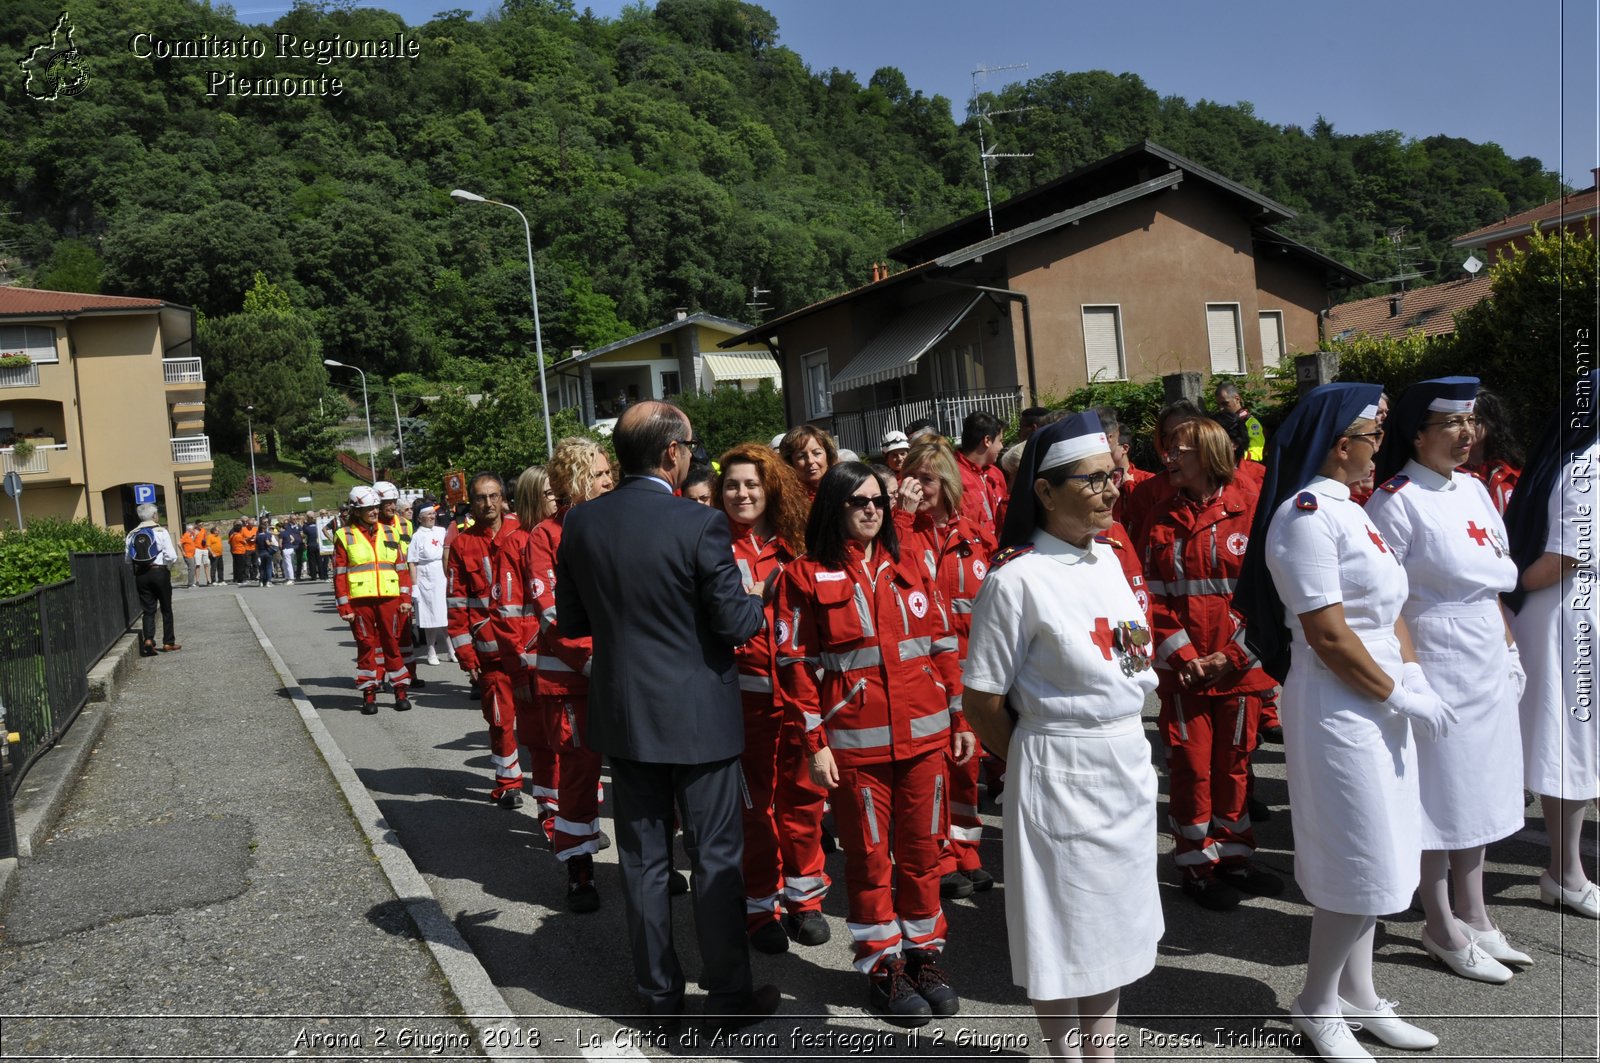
38,461
182,371
26,376
191,450
862,430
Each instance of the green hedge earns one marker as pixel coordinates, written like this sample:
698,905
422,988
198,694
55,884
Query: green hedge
40,555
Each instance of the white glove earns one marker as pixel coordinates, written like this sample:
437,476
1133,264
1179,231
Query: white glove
1414,699
1519,678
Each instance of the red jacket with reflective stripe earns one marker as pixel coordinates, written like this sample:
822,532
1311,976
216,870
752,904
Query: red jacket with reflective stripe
983,489
563,663
1192,563
490,619
1499,479
880,632
957,556
759,560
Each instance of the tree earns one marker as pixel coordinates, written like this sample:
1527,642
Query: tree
267,356
503,433
728,416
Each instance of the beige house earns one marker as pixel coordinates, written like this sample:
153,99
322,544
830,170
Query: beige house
682,355
1136,266
99,394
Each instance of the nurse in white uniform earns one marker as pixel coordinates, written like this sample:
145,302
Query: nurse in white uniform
1442,526
1057,628
1551,521
1351,697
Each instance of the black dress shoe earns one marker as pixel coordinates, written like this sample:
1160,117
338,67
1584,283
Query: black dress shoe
1247,878
761,1003
1213,894
770,938
891,994
922,967
677,882
509,799
807,928
419,684
582,895
955,884
981,880
147,648
369,705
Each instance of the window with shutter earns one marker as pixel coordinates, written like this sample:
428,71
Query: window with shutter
1102,343
819,392
1271,337
36,341
1227,342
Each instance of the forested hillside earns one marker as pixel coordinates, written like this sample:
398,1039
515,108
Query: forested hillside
675,156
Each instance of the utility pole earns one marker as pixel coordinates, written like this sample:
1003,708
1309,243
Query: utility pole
983,117
399,433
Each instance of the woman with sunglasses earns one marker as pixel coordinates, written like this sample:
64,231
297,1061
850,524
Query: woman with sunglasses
1057,631
955,552
868,618
783,859
1216,687
1442,526
558,672
1353,695
811,452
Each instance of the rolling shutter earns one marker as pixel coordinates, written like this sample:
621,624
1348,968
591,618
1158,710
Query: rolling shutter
1102,343
1222,329
1271,337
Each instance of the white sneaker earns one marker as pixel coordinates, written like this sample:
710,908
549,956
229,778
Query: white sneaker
1382,1023
1469,961
1331,1037
1585,901
433,658
1493,941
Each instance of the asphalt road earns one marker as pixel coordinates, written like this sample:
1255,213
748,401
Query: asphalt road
1220,990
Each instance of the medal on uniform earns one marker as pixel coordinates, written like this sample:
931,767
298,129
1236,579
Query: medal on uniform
1132,640
1500,546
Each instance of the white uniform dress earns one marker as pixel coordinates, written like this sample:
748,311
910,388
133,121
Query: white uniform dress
1452,542
1083,912
1555,633
1351,763
426,558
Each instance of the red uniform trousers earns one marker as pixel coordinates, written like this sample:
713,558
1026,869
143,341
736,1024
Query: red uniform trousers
782,816
577,824
1209,739
377,625
966,828
544,747
892,821
498,698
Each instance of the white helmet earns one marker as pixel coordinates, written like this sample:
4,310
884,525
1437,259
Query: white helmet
363,497
387,491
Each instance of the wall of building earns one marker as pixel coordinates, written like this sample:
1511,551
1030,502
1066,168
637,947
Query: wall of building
1297,290
63,502
1161,259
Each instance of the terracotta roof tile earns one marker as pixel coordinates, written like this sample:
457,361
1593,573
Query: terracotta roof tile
38,301
1431,310
1578,205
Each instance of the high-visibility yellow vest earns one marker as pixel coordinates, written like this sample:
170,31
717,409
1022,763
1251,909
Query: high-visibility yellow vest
373,573
1257,450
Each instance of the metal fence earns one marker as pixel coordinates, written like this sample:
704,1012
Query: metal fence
49,639
862,430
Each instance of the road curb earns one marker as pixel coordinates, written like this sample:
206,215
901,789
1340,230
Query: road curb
485,1009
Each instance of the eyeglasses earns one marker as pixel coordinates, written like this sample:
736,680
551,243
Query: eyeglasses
1454,424
1172,454
1096,481
691,444
1376,437
863,501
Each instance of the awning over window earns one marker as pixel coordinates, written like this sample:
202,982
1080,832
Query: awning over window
743,365
894,351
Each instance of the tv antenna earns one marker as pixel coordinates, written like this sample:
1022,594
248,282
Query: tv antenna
985,117
756,304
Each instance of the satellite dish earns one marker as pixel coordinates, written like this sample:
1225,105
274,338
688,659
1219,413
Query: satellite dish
1472,265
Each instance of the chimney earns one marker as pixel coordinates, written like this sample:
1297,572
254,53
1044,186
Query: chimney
1595,173
1394,304
876,276
574,352
681,313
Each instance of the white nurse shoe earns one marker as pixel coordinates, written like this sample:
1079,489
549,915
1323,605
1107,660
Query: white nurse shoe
1382,1023
1469,961
1585,901
1330,1036
1493,941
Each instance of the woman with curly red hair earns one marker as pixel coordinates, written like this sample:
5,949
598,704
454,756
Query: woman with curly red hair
783,861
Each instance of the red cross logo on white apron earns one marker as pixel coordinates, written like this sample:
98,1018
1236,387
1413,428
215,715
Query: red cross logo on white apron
1477,534
1101,636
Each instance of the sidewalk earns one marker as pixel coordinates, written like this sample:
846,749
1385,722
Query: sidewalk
209,890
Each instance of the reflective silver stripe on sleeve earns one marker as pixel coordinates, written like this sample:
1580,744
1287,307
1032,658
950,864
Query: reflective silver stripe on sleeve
786,661
864,611
552,664
486,647
455,603
1191,587
459,641
1172,644
1156,586
813,721
755,684
864,738
549,615
924,726
961,606
513,610
912,648
866,657
947,644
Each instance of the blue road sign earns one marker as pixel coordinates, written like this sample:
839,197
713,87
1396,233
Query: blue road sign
143,493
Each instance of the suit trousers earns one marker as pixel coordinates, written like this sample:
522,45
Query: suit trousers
708,797
155,592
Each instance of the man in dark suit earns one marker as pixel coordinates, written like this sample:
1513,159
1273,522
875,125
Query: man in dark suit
651,578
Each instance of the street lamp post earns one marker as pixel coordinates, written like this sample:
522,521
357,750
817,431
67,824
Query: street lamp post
250,426
372,451
464,196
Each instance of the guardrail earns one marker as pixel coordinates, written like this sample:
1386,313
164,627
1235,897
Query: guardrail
182,371
38,461
23,377
862,430
49,639
191,450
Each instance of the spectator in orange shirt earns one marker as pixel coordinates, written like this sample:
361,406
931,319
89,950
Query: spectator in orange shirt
241,547
214,553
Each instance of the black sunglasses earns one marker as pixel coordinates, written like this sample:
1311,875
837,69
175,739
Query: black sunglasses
863,501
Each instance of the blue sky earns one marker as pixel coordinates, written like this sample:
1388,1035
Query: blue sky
1520,75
